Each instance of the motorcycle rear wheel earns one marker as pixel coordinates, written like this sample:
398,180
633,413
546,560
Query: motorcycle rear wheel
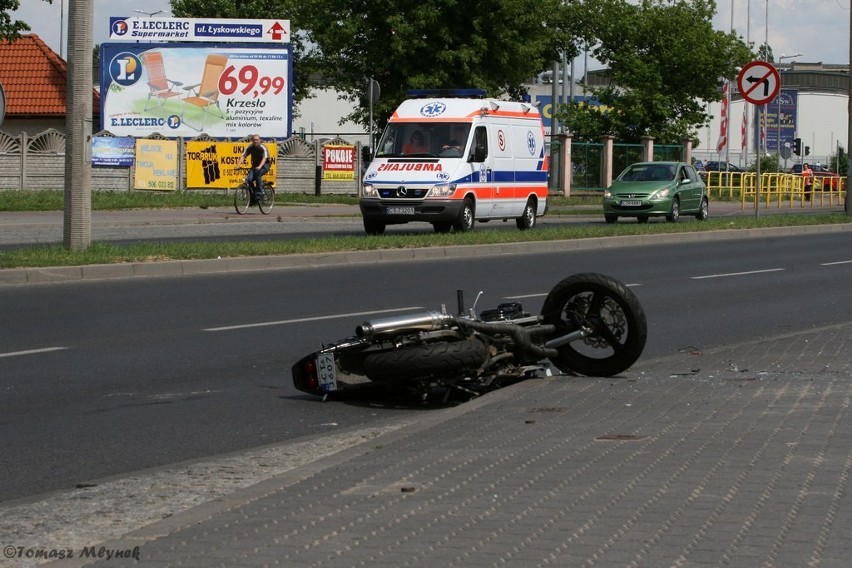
424,361
611,310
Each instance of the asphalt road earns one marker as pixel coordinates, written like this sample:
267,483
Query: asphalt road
103,378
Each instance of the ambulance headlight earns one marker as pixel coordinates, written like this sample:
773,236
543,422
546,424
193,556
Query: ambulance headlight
367,190
442,190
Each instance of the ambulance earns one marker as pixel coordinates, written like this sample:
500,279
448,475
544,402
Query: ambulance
455,159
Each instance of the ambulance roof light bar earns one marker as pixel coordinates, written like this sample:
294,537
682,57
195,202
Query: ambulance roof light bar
447,93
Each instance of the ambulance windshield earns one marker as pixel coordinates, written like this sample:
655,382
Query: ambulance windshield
423,140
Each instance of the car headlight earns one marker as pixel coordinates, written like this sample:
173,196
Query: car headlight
661,193
367,190
442,190
607,194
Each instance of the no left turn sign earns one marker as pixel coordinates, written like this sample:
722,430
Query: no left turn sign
759,82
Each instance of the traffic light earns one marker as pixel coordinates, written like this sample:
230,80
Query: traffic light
807,150
797,146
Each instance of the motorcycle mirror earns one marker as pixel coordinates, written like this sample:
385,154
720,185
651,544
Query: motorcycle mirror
476,301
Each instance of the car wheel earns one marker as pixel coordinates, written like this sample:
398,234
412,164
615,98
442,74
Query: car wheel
442,227
675,214
703,211
527,220
466,217
374,227
642,219
611,218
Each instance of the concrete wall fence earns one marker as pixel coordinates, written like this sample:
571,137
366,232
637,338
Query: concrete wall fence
38,163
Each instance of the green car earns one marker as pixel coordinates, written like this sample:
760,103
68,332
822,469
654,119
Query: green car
658,189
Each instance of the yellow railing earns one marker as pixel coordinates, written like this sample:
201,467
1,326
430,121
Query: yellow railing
776,189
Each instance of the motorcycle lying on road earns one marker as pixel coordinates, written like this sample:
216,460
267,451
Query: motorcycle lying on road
590,324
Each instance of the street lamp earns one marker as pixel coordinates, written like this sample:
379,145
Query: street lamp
150,14
781,58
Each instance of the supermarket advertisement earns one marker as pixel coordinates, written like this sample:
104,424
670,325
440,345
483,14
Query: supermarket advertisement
183,90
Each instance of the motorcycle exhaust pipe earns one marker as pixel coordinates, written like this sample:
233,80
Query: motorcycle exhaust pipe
424,321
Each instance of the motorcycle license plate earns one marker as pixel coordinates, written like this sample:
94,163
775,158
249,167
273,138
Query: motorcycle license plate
631,203
326,372
399,210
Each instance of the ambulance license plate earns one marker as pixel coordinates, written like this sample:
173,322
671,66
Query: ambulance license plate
327,372
631,203
399,210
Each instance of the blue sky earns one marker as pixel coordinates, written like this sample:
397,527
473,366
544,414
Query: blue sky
818,29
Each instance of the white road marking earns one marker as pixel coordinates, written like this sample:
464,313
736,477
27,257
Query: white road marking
301,320
737,273
838,262
32,351
546,293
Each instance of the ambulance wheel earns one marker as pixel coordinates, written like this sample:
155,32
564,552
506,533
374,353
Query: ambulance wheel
527,220
374,227
442,227
466,218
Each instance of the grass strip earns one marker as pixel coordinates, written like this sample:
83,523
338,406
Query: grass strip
105,253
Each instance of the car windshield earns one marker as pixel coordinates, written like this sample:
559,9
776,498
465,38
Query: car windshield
648,172
423,139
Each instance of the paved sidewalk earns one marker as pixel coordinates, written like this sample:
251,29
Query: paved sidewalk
739,457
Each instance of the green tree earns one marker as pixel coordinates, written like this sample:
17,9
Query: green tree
9,28
664,62
495,45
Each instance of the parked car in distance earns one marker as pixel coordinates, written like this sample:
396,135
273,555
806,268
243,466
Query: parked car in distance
820,171
721,167
649,189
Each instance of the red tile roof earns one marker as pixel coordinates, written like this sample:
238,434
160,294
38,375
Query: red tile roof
33,77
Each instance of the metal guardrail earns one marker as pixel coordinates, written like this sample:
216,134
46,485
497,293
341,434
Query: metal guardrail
776,189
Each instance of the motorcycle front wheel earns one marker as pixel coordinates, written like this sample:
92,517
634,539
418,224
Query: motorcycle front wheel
611,310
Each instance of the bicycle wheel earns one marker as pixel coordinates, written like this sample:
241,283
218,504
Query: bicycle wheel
242,198
268,200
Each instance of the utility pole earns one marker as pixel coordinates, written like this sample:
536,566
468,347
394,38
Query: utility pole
846,204
78,127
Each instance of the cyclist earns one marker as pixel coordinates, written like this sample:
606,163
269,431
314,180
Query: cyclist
259,166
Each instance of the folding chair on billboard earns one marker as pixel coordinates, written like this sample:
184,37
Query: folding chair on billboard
206,93
160,87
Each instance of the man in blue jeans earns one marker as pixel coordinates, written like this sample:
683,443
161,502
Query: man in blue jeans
259,166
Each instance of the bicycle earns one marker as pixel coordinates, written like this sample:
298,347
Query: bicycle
244,198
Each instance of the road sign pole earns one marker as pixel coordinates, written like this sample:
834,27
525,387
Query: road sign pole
759,83
757,169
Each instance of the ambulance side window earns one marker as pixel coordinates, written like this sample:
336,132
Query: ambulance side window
480,145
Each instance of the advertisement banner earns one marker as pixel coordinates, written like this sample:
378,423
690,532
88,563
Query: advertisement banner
780,116
156,165
109,151
181,90
216,165
122,28
338,162
547,108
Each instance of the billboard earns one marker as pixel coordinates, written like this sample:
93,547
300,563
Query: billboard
338,162
547,110
215,165
122,28
156,165
181,90
779,117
